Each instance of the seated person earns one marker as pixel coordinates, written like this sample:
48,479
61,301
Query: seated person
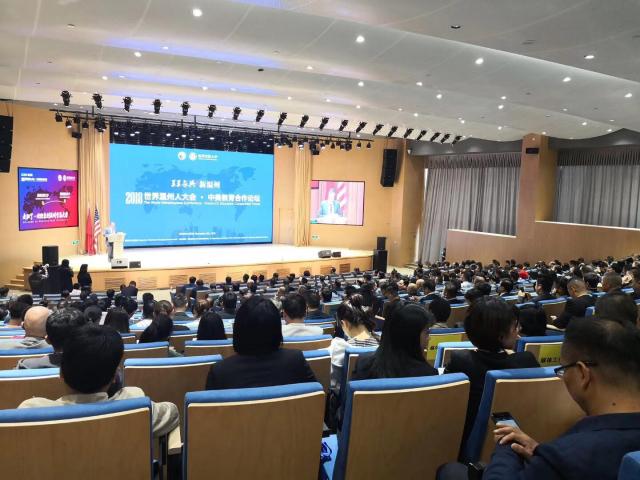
492,327
260,360
505,288
390,292
543,288
401,352
90,359
600,367
611,283
472,295
131,290
578,302
180,304
93,314
429,288
118,319
17,310
619,306
441,310
313,307
60,325
450,294
412,293
294,308
533,321
211,327
159,330
229,303
35,329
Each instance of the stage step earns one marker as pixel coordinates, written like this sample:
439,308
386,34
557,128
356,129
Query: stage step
15,284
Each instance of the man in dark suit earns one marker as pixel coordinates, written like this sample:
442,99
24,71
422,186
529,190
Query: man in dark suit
131,290
313,307
229,302
577,305
429,291
611,283
450,294
192,283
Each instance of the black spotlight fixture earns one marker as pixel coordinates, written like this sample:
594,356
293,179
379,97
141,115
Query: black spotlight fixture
156,106
58,117
68,123
300,144
66,97
369,145
323,122
456,140
259,115
97,99
236,113
185,108
392,131
212,110
333,146
361,126
127,103
343,125
359,145
76,119
377,129
421,134
435,135
304,120
408,132
99,124
282,118
445,138
348,146
85,124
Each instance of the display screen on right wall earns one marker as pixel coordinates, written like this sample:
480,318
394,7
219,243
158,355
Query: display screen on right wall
336,202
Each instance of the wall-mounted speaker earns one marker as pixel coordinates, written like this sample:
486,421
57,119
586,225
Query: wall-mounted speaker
380,260
532,151
389,165
50,255
381,243
6,140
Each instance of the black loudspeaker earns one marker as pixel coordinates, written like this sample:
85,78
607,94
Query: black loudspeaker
324,254
389,164
380,260
336,254
532,151
382,243
135,264
52,283
50,255
6,139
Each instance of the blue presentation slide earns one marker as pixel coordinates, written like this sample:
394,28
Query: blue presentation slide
162,196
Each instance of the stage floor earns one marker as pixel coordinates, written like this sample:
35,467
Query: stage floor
212,256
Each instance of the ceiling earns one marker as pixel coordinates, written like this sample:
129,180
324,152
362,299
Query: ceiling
312,63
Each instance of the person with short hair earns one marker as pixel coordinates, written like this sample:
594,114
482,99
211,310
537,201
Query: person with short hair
131,290
611,282
450,293
211,327
390,292
89,364
618,306
60,325
533,321
259,361
229,303
65,275
17,310
505,288
36,280
441,310
93,314
313,306
327,295
180,304
576,307
294,308
34,324
429,288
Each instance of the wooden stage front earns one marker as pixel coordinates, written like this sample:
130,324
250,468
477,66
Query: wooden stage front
166,267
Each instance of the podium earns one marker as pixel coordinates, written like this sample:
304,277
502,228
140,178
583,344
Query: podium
117,240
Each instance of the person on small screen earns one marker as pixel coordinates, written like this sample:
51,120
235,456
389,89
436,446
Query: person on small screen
330,209
108,231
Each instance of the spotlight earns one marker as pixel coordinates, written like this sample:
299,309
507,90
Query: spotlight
127,103
85,124
283,117
333,146
76,119
392,131
300,144
259,115
68,123
156,106
66,97
185,108
361,127
97,99
343,124
348,146
212,110
408,132
341,145
304,120
456,140
369,145
323,122
445,138
359,145
236,113
58,117
422,134
378,128
435,135
99,124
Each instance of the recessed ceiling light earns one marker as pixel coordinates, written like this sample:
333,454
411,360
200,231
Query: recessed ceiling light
589,56
104,77
358,107
55,104
121,76
289,98
137,54
419,84
399,109
610,130
500,107
479,61
566,79
205,88
544,133
328,100
439,96
456,27
628,95
503,97
500,127
462,120
415,114
361,83
196,12
359,39
564,109
548,116
71,25
233,89
309,67
584,124
164,47
612,120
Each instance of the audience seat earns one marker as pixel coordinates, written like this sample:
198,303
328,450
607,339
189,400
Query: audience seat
330,308
17,386
320,320
311,342
169,379
590,311
536,398
10,358
97,441
145,350
630,467
458,314
546,349
178,339
351,355
320,363
128,337
552,307
209,347
402,428
439,335
445,349
266,433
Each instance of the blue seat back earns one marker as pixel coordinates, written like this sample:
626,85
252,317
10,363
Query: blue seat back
444,350
630,467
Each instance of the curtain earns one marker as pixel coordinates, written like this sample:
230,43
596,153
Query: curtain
599,187
93,175
302,196
475,192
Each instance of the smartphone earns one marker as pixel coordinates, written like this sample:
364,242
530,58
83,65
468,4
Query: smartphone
504,419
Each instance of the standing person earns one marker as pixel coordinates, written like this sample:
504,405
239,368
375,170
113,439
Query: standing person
108,231
36,280
66,276
84,278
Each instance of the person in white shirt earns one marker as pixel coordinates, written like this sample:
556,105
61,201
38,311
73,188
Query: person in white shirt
294,309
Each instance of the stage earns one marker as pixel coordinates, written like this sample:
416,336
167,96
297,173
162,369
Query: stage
166,267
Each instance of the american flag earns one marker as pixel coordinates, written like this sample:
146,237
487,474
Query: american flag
97,230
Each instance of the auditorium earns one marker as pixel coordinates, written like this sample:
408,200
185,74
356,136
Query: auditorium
324,240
